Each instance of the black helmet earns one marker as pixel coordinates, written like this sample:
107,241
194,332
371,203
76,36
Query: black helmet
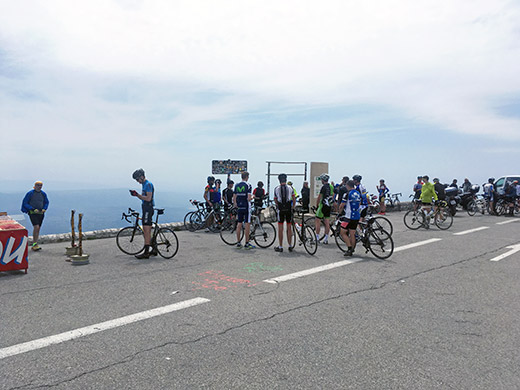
324,177
137,174
282,177
357,178
260,184
211,179
491,180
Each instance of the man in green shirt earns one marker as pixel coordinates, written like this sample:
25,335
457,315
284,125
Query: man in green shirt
428,194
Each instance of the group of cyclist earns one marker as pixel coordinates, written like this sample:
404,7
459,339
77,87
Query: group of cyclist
424,191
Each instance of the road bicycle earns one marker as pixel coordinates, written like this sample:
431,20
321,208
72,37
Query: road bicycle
304,234
391,201
130,239
415,219
262,232
373,238
379,221
200,218
201,207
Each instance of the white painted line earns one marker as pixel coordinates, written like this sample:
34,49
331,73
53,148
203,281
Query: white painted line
471,231
311,271
514,249
508,221
88,330
415,244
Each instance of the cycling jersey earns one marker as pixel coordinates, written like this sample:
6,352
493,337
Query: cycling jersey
364,195
417,187
327,193
148,187
259,197
352,202
242,190
283,196
428,193
212,193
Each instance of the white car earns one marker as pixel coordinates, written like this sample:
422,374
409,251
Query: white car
499,183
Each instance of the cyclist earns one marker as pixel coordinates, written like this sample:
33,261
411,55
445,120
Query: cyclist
148,203
427,195
217,194
294,189
258,195
209,191
340,191
466,186
510,195
228,195
382,190
242,200
285,201
489,194
323,205
306,196
417,191
363,208
349,206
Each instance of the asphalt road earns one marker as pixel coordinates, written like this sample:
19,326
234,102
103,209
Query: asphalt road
438,315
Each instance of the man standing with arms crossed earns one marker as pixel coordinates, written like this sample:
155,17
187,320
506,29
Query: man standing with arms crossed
242,201
147,206
285,201
35,203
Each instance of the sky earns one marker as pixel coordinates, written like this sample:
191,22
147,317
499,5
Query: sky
92,90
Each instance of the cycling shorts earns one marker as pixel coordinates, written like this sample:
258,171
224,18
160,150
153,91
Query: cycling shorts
244,216
36,219
323,211
350,224
147,215
284,216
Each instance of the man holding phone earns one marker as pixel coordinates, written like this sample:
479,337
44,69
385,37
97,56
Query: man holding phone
146,197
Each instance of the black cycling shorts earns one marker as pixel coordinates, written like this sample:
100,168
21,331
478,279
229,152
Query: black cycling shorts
284,216
36,219
363,212
147,215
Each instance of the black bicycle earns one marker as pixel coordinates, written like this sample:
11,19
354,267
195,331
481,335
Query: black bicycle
130,239
304,233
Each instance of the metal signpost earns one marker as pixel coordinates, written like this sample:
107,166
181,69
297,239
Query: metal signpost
269,174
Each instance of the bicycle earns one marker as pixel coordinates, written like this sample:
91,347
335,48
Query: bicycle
373,238
415,219
189,222
306,235
130,239
263,233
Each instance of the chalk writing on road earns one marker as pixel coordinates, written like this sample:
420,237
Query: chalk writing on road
261,267
216,280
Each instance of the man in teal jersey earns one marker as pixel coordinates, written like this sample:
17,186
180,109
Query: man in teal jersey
146,197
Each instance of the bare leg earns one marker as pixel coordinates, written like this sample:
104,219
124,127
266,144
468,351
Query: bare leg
289,233
248,228
280,234
239,230
36,233
147,230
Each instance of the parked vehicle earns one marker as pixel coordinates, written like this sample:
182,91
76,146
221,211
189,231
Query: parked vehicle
501,181
453,199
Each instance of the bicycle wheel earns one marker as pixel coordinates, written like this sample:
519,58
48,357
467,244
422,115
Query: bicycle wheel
310,243
166,243
197,221
187,218
228,231
130,240
380,244
342,245
413,219
472,208
265,234
443,219
383,223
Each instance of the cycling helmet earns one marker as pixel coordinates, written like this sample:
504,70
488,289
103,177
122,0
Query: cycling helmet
324,177
282,177
218,181
491,180
137,174
357,178
260,184
290,183
211,179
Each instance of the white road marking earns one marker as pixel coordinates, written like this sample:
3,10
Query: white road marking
311,271
471,231
514,249
415,244
88,330
508,221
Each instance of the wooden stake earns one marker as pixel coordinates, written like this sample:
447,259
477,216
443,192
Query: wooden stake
80,235
73,244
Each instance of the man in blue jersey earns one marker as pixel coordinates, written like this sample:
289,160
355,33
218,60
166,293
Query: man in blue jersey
148,203
349,206
242,201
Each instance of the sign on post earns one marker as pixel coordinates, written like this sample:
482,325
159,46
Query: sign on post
228,167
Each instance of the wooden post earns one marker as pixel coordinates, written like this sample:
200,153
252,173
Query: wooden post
73,243
80,232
